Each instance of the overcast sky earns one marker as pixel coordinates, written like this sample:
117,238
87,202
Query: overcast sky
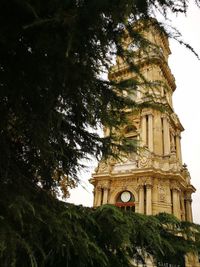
186,100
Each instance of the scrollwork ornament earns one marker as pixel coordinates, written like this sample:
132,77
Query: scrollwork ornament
161,192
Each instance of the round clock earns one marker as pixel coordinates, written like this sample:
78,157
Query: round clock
125,196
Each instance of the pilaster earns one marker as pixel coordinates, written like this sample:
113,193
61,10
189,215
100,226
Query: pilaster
144,130
141,199
178,148
150,132
166,137
105,195
176,203
188,207
98,196
157,134
148,199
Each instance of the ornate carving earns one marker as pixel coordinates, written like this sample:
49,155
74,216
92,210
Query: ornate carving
148,181
98,188
144,159
174,118
104,184
140,186
161,193
186,173
132,157
104,167
175,185
144,162
123,182
141,180
176,121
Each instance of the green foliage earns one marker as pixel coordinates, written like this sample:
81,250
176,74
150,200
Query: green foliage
38,230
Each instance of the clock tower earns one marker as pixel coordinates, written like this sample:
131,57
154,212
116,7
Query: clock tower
153,179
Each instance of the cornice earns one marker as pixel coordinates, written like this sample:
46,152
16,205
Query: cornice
121,70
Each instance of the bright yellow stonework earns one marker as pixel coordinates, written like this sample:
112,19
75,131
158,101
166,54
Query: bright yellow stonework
154,176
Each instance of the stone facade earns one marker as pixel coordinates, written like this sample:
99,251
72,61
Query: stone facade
153,179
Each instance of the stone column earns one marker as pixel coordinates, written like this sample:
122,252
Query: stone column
150,132
144,130
98,196
148,199
157,132
166,137
183,207
141,199
176,203
178,148
105,195
188,207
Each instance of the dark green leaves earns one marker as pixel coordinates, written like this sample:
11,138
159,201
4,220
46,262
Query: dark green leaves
38,230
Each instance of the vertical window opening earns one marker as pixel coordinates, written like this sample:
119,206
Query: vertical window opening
145,199
101,196
147,130
175,143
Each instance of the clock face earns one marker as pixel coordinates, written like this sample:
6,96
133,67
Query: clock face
125,196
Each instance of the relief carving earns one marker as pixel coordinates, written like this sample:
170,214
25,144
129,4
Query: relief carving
104,184
123,182
175,185
175,118
104,167
186,173
145,159
161,193
148,181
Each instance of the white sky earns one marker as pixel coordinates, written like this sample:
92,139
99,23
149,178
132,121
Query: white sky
186,100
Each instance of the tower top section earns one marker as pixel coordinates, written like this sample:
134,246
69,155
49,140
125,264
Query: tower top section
147,47
151,30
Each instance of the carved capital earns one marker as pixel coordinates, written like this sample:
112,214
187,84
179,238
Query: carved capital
148,186
148,181
175,186
140,187
188,196
141,181
98,188
104,184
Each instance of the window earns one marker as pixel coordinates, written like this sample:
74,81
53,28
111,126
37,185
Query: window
126,201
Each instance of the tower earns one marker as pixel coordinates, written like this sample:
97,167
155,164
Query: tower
154,179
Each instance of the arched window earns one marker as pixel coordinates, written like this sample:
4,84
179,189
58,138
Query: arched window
126,201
